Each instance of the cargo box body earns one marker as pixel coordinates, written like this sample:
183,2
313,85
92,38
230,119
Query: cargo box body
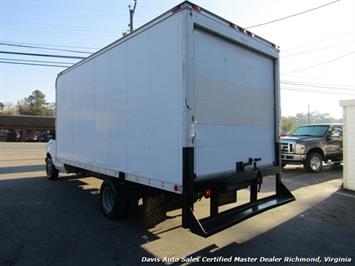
185,79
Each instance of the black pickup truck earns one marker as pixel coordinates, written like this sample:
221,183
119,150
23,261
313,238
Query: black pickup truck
311,145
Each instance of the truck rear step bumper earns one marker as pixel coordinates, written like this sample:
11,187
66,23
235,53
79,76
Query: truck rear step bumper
230,181
214,224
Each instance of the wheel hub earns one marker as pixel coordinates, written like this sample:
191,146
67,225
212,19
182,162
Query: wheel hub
315,163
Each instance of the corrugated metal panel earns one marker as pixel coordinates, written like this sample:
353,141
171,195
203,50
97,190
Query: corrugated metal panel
234,90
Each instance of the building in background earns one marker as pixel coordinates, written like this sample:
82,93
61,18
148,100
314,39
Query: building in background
349,143
26,128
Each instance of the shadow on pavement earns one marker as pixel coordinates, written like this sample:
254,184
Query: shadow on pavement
325,230
22,169
59,222
295,177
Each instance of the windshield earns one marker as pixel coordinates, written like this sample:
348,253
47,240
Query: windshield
310,131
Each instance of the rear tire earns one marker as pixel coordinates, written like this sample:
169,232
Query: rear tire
52,172
113,199
314,162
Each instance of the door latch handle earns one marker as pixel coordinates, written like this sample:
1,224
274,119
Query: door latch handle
193,129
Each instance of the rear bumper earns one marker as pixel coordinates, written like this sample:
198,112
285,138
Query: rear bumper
214,224
293,158
232,181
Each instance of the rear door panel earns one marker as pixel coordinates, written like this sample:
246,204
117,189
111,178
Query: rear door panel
234,99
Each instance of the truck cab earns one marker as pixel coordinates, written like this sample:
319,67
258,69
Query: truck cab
311,145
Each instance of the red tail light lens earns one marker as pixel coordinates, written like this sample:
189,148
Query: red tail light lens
197,8
176,9
250,33
241,29
207,193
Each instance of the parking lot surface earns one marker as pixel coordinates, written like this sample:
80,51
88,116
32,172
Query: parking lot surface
59,222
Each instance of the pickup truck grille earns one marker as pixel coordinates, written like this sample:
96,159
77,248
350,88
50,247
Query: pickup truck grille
287,147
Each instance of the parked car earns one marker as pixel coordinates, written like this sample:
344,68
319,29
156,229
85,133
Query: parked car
311,145
13,136
32,138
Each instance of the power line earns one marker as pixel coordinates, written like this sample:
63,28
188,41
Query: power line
41,47
315,91
306,77
314,50
30,64
317,83
320,64
51,29
332,37
35,61
45,55
314,85
306,44
53,45
293,15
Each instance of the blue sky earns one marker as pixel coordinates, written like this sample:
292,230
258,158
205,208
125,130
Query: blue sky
306,41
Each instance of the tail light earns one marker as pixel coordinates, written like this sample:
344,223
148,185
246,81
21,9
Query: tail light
207,193
196,7
241,29
232,25
250,33
176,9
177,188
275,46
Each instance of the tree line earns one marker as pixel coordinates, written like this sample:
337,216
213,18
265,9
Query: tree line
290,123
34,104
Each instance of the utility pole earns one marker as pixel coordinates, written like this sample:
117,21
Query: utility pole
131,14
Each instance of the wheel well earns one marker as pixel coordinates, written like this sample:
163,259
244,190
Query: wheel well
317,150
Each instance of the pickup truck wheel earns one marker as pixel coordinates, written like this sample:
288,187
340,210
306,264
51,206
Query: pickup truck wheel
314,162
51,171
113,199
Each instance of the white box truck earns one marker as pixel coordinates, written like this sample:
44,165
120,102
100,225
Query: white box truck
185,106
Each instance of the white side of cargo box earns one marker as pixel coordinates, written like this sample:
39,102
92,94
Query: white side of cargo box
196,65
121,110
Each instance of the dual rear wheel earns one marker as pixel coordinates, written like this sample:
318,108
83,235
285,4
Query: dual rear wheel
116,200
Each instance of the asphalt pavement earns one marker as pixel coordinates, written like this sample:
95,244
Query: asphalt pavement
59,222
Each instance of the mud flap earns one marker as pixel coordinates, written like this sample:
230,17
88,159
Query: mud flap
154,210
